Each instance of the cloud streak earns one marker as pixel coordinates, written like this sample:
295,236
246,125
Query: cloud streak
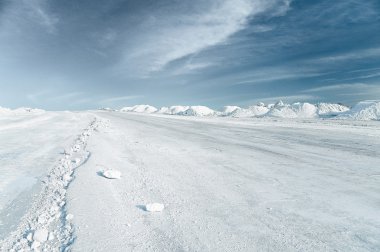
178,36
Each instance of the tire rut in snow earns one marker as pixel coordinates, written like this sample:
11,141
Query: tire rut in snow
47,225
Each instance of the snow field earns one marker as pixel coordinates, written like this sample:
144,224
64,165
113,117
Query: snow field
47,225
229,185
233,185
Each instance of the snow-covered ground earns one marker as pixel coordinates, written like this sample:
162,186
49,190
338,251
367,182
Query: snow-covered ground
221,184
30,147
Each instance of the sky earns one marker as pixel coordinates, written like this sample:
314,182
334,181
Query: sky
87,54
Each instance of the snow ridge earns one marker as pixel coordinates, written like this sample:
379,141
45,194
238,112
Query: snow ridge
365,110
140,109
20,111
47,225
280,109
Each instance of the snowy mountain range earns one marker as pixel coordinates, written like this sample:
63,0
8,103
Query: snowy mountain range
366,110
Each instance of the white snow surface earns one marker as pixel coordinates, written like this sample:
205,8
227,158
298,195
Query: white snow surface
229,185
365,110
222,183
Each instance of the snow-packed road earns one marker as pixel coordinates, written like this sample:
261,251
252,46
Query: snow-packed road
228,185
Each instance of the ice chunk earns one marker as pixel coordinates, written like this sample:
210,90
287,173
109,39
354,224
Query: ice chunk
51,237
111,174
30,237
40,235
35,245
69,217
154,207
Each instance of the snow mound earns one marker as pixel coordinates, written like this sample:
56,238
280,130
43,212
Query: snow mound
163,110
331,109
106,109
295,110
229,110
140,109
252,111
20,111
5,111
111,174
368,110
198,111
365,111
154,207
173,110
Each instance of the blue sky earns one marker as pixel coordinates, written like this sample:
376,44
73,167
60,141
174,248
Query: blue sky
88,54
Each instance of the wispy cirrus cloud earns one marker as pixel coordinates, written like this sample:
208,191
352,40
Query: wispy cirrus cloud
16,14
343,86
352,55
349,91
179,35
288,98
120,98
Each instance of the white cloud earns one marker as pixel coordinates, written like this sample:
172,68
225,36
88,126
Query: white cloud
355,55
120,98
268,74
367,91
45,19
289,98
336,87
19,14
178,36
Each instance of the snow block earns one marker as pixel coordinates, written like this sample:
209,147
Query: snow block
111,174
40,235
154,207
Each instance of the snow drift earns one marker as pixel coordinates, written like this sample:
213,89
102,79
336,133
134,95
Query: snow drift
295,110
252,111
140,109
331,109
229,110
20,111
173,110
365,110
198,111
368,110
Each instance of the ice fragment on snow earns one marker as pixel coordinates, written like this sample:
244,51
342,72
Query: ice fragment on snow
30,237
40,235
35,245
69,217
111,174
51,236
154,207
